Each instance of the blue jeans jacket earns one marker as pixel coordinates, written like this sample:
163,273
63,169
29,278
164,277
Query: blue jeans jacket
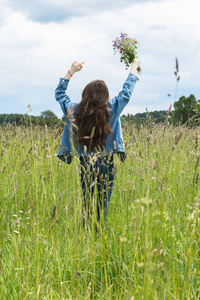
114,141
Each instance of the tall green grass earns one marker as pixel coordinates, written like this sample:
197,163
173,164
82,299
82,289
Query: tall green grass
150,248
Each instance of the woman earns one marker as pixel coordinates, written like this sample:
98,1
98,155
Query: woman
93,132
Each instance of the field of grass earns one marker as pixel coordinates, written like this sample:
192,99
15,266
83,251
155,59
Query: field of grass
150,248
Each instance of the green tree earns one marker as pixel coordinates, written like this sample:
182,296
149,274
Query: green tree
184,109
48,117
48,114
195,119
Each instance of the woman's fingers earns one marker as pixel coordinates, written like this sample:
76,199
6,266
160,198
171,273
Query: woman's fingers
80,65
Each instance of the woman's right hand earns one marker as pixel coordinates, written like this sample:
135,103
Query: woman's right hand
134,66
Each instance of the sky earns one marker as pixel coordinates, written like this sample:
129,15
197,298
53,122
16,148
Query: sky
41,38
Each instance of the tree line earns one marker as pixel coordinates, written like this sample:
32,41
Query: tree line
186,111
46,117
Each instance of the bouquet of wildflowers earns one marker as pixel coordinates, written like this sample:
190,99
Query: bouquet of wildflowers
127,48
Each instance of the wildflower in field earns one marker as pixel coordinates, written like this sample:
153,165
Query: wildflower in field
122,239
140,265
29,107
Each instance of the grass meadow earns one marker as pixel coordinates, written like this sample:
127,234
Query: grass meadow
150,248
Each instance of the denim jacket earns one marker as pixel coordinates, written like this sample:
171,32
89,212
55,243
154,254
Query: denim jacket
114,141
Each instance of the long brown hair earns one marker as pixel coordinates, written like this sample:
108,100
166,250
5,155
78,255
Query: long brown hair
92,115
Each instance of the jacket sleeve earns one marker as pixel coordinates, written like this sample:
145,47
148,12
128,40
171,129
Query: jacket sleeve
61,96
118,103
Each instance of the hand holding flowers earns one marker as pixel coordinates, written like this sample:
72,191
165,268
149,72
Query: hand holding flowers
135,65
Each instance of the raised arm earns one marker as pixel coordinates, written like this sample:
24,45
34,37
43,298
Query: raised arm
118,103
60,92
